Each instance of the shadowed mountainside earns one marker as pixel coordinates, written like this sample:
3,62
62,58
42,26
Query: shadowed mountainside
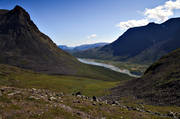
143,44
23,45
160,84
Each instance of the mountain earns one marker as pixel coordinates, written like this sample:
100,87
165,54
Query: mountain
24,46
140,44
81,47
89,46
65,48
160,85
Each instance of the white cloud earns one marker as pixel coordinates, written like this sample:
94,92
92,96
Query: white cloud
158,14
163,12
172,4
92,36
132,23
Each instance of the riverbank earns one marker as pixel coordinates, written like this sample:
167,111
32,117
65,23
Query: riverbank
109,66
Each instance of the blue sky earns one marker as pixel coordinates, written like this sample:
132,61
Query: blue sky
76,22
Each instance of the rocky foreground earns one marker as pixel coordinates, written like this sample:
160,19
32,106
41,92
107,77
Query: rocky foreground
16,103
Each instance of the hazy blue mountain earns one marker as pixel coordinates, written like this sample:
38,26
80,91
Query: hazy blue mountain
64,47
81,47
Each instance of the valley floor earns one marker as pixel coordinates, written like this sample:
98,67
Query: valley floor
136,69
28,95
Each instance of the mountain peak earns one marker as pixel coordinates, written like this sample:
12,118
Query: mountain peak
17,18
21,40
151,23
19,13
16,11
18,8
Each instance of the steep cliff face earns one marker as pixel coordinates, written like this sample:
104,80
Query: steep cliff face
23,45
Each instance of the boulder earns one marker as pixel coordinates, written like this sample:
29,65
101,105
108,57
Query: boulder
78,93
33,97
94,98
115,103
11,94
33,89
76,101
94,103
60,94
172,114
52,98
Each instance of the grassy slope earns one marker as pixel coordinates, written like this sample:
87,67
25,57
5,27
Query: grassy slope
20,106
16,77
100,73
160,85
23,79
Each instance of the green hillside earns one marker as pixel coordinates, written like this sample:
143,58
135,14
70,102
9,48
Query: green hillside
26,94
159,85
16,77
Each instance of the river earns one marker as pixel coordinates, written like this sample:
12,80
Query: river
114,68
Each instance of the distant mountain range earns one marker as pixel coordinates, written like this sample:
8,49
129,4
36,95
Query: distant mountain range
143,44
81,47
160,84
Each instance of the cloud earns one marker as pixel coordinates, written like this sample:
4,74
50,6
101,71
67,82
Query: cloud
158,14
92,36
172,4
132,23
163,12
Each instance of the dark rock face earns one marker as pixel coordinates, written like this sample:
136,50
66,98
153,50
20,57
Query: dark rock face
160,84
23,45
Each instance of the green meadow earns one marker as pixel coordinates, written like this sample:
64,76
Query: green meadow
16,77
